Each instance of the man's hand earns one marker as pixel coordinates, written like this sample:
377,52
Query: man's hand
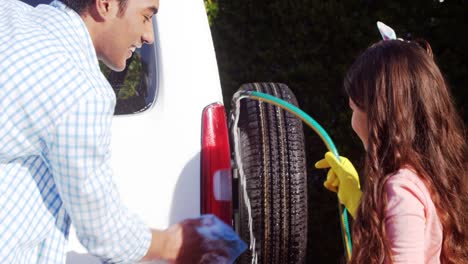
200,240
342,178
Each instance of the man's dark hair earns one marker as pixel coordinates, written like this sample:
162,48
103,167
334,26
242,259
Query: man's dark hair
80,5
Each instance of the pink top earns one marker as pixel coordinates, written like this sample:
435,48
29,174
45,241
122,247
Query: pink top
414,229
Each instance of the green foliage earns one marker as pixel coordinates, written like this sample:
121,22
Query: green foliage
104,69
130,77
308,45
132,80
211,10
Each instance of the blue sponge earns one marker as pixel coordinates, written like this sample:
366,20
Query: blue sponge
220,239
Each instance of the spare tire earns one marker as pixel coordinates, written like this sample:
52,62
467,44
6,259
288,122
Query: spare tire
271,151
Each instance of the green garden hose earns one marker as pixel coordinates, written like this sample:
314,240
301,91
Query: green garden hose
346,235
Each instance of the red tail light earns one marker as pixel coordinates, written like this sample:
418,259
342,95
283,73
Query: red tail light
216,178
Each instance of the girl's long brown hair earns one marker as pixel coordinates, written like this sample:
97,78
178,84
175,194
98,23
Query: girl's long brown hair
412,121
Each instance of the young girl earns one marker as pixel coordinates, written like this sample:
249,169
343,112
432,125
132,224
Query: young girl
413,208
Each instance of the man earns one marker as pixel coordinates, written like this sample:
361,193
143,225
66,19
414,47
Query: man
55,117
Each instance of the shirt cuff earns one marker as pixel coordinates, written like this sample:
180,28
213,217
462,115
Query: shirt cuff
142,246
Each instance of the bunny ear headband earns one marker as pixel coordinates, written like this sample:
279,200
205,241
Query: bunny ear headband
387,32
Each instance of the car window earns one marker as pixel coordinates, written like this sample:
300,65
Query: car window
136,86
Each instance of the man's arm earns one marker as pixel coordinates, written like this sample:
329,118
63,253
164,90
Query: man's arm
79,157
165,244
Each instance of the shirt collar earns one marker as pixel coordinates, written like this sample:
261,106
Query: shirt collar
81,35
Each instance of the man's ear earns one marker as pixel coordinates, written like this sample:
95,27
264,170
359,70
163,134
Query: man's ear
105,9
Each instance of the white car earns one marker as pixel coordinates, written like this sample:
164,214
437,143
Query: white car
172,147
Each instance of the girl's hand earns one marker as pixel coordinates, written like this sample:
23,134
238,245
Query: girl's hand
343,179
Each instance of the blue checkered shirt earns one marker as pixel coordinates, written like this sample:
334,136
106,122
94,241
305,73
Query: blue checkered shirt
55,116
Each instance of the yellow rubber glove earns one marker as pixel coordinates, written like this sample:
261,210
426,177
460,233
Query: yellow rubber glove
342,178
